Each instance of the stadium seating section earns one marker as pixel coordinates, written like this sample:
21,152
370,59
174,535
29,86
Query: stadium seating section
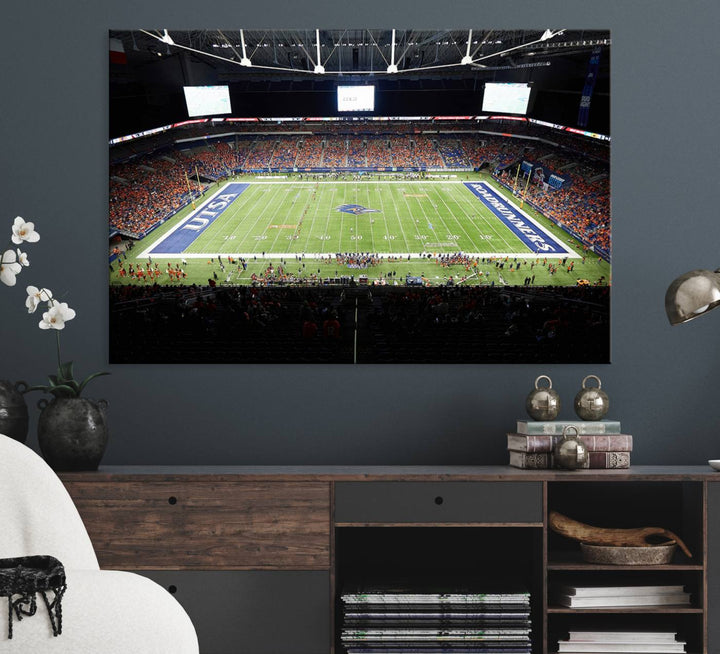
154,177
394,324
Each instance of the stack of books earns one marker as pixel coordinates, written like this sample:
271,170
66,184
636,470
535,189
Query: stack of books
597,642
531,446
402,622
583,597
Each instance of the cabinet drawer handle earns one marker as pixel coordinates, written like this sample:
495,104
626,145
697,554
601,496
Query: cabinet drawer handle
172,500
172,589
439,500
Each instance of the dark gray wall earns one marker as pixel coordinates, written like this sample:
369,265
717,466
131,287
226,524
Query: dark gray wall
663,382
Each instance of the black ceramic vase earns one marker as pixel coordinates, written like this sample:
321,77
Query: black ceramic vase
72,433
13,410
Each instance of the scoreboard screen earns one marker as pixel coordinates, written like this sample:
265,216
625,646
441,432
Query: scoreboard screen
356,98
207,100
506,98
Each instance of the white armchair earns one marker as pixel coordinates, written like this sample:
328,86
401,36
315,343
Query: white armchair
104,612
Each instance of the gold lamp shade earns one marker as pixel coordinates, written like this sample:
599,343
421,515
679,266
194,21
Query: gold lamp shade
691,295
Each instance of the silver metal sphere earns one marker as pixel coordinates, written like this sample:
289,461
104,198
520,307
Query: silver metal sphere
543,403
591,403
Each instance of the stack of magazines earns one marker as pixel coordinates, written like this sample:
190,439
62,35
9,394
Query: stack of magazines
387,621
600,642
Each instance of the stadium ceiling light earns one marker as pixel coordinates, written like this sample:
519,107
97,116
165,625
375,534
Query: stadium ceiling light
691,295
245,61
467,59
392,67
319,68
166,38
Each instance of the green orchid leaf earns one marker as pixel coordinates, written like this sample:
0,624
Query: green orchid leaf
89,379
45,389
53,380
65,371
63,391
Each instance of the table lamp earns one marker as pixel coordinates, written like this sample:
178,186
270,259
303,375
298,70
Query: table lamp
691,295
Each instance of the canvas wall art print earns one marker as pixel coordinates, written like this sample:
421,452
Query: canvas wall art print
359,196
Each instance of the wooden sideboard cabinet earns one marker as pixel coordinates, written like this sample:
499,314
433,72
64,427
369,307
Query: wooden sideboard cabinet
259,556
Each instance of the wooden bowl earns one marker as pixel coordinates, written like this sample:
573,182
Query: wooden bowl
621,555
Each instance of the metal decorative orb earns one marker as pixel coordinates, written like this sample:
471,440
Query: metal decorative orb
570,453
591,403
543,403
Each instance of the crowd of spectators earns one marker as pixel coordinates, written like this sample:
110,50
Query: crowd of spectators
452,153
285,153
213,161
357,153
389,324
143,193
260,155
335,155
427,153
310,153
403,154
378,153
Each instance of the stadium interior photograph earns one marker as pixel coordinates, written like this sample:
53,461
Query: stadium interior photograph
359,328
360,195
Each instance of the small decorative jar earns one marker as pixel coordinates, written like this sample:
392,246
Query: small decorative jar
72,432
13,410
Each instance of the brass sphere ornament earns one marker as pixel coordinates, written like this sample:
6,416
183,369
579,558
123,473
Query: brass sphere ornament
591,403
570,453
543,403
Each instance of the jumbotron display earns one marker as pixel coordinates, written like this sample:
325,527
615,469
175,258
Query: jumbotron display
207,100
356,98
506,98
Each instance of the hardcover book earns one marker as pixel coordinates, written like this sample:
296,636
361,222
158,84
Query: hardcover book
624,636
665,599
603,591
623,648
546,442
595,461
555,427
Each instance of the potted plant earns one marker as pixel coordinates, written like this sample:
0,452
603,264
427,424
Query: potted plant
72,430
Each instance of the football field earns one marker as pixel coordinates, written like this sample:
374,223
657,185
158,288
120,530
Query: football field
397,221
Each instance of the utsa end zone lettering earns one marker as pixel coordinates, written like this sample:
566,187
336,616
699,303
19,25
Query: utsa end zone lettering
219,204
529,232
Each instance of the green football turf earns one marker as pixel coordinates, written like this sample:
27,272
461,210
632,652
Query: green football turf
295,223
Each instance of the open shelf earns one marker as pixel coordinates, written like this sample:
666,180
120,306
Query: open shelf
626,609
428,559
679,507
572,560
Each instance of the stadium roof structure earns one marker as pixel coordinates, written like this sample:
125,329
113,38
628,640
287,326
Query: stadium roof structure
243,53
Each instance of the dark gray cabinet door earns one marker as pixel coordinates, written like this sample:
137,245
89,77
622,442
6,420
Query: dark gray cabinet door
263,612
440,501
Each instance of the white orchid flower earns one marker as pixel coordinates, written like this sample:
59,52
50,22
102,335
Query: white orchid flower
9,267
23,231
56,317
22,258
36,296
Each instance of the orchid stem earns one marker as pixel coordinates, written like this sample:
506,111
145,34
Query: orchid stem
57,334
